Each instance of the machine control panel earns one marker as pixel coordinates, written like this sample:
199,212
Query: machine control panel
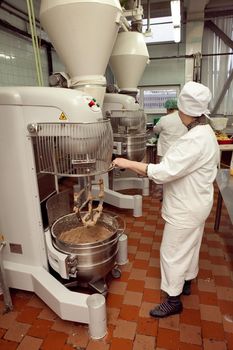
93,104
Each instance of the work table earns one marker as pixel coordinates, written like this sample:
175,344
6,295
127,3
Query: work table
225,185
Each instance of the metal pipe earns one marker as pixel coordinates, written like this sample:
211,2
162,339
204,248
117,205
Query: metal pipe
190,56
17,9
148,16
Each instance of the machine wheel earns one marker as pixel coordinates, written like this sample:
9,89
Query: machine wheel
116,272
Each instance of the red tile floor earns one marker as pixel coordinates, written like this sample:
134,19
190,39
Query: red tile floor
205,324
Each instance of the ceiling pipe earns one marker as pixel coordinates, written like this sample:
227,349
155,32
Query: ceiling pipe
148,16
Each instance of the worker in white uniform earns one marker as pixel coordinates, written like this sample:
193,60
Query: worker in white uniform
187,171
169,128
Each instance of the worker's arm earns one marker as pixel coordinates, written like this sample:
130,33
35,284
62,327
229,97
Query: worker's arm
137,167
158,127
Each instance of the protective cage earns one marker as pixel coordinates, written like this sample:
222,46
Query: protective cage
73,149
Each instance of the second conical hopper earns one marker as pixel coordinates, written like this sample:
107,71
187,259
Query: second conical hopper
128,60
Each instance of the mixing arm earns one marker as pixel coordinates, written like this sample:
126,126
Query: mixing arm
93,214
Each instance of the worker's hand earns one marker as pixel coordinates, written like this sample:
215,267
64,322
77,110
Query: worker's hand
121,162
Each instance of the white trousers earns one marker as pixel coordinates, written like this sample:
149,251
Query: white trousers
179,256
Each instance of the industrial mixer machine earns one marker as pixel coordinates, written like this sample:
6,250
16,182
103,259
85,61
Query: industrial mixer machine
59,132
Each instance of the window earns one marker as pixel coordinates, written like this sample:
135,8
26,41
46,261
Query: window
161,30
152,98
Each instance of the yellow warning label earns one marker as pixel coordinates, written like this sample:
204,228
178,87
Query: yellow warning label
63,116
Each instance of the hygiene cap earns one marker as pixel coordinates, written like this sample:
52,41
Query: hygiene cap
170,104
194,99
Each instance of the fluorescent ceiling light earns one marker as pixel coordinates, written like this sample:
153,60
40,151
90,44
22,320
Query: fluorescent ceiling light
175,11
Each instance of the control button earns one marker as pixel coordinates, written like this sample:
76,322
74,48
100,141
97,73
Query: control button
91,103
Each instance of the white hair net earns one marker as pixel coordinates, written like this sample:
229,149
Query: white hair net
194,99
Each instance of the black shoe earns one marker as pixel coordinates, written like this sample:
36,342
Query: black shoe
187,288
167,308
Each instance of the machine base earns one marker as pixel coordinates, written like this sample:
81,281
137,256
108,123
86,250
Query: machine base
68,305
119,200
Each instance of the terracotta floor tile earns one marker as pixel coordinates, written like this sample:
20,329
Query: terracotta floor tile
212,330
28,314
225,293
154,262
207,298
144,342
214,345
153,271
30,343
147,326
185,346
97,345
228,322
125,329
146,240
135,285
168,339
145,309
129,313
151,296
67,347
35,301
112,315
144,248
8,345
225,306
124,276
132,298
17,331
140,263
79,336
190,334
47,314
219,270
19,302
117,287
2,332
205,274
138,274
152,283
229,339
54,340
192,302
133,241
40,328
207,285
210,313
114,300
6,320
118,343
191,317
172,322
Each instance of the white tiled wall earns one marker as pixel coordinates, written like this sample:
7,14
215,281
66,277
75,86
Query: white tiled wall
17,62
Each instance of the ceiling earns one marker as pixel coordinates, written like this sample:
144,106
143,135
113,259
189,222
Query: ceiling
213,8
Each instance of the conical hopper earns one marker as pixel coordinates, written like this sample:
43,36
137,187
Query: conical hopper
128,60
83,34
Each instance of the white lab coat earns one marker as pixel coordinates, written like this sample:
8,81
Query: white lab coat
187,171
169,128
